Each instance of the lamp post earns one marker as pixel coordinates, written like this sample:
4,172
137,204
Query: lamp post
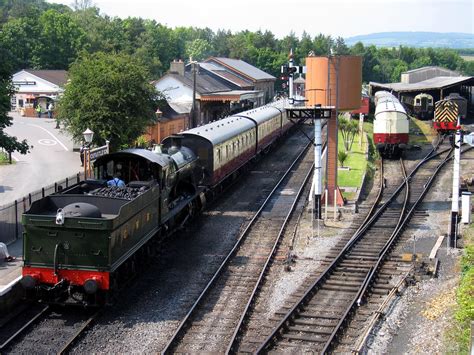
88,135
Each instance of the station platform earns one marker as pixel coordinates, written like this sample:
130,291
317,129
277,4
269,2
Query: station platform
10,272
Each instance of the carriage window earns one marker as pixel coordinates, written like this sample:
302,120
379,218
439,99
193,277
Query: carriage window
218,155
417,101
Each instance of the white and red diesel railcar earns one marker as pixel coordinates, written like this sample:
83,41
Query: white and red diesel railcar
391,124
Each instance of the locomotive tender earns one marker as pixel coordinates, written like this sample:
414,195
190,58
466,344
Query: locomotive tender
82,243
391,124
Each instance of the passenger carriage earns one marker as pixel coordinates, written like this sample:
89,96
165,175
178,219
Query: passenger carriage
268,121
222,146
391,126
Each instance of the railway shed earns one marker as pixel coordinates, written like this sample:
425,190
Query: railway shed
439,87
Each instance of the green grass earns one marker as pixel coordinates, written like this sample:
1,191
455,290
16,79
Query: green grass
4,158
459,335
421,132
357,163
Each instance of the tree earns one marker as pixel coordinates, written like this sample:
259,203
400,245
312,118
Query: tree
110,94
81,4
7,142
322,44
340,47
305,46
60,41
349,129
342,156
198,49
16,35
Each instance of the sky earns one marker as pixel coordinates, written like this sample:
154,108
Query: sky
343,18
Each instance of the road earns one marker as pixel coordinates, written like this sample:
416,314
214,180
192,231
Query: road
51,158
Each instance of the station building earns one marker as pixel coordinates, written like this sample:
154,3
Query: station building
223,87
36,87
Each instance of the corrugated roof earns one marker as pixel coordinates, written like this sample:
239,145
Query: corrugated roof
57,77
205,84
437,83
243,67
226,74
417,70
220,131
233,78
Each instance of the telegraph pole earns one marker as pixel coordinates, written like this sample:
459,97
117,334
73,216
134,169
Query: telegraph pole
455,195
193,122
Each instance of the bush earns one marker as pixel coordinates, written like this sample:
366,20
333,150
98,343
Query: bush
342,156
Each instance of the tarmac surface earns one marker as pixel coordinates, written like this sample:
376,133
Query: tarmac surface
51,158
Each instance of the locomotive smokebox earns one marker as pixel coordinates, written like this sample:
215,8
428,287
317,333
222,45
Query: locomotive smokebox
334,81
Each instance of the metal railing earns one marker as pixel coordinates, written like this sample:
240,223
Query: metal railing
10,215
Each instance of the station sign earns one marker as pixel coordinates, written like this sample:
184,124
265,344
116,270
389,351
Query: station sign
98,152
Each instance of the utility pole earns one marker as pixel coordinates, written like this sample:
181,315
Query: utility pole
455,196
194,68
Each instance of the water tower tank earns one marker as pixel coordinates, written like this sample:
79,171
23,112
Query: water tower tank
334,81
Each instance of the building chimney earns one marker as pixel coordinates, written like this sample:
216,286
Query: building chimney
177,67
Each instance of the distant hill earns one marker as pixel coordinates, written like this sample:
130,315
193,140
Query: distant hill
415,39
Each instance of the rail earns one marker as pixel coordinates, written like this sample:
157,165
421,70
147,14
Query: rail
371,272
354,239
184,323
73,339
268,263
28,324
42,315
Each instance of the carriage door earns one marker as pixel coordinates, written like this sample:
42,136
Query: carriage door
424,103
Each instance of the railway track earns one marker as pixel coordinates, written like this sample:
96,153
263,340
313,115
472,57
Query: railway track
320,313
216,317
45,329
